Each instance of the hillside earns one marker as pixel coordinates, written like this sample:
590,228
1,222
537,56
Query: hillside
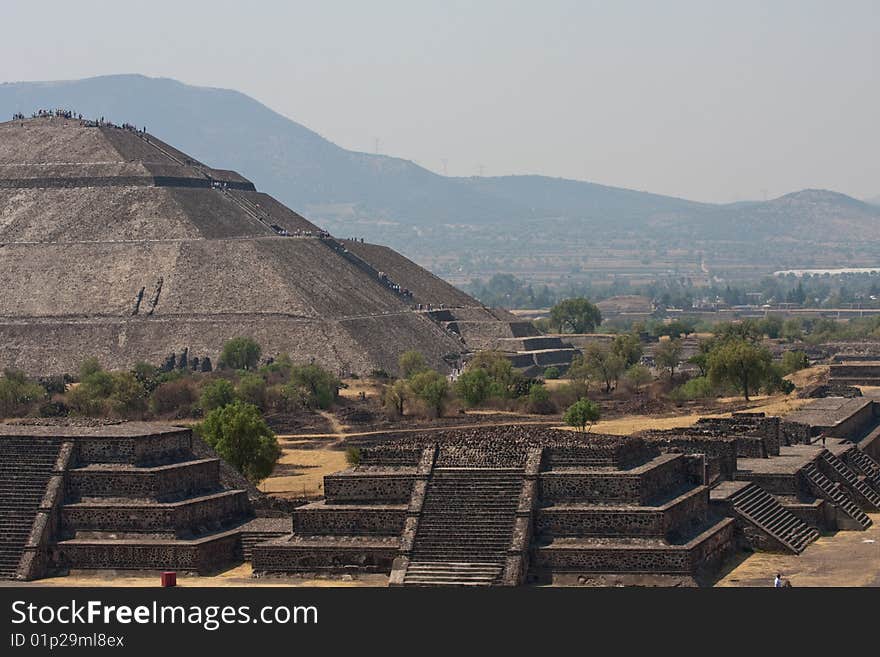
538,227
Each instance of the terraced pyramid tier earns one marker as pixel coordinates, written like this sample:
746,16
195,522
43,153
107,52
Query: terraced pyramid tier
116,244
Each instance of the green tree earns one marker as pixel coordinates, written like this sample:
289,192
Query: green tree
252,390
504,379
474,386
320,386
238,433
793,361
740,363
241,354
551,372
129,397
637,376
216,394
792,329
432,389
396,395
539,400
576,315
89,366
604,365
628,347
411,363
667,355
582,414
580,374
18,394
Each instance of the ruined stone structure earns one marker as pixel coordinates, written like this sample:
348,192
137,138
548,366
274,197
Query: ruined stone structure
780,483
506,506
118,496
117,245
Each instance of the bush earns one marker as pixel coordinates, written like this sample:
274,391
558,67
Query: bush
241,354
411,363
353,456
252,390
395,398
700,387
216,394
582,414
129,397
637,376
539,400
432,389
473,386
53,409
793,361
319,385
18,394
506,382
173,397
551,373
238,433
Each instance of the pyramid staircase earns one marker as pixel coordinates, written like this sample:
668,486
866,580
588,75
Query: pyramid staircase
826,489
869,497
866,465
25,469
466,527
764,511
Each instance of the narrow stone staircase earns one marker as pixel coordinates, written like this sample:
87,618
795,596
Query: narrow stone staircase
870,496
764,511
868,466
26,465
828,490
465,528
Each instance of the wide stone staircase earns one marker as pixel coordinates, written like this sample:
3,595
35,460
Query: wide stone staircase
826,489
25,469
465,528
869,497
765,512
866,465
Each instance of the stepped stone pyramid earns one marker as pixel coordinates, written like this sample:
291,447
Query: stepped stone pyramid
508,506
115,244
117,496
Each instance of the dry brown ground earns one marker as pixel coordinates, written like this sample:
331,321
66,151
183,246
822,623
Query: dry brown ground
842,559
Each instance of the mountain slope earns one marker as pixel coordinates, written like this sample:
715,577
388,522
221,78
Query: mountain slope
465,226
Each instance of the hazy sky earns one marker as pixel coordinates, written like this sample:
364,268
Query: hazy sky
709,100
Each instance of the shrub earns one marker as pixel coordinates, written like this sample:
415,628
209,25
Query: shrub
411,363
319,385
473,386
216,394
432,389
793,361
582,414
551,373
700,387
637,376
241,354
353,456
241,437
252,390
539,400
53,409
18,394
395,398
129,397
175,397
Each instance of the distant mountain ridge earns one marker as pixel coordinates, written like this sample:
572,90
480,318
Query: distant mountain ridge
397,202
